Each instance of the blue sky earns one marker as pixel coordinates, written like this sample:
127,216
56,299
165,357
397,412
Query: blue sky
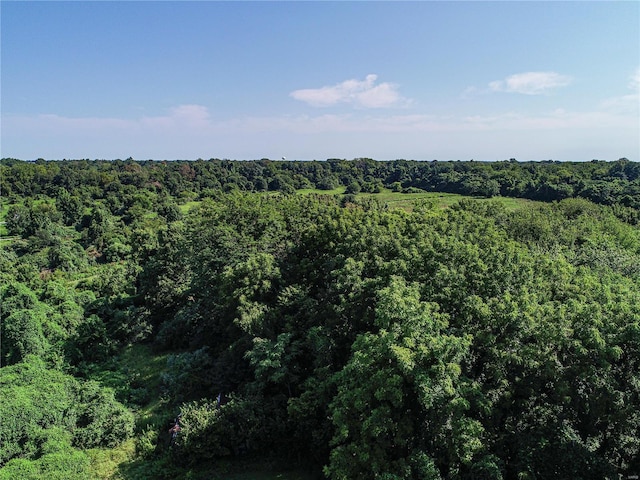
315,80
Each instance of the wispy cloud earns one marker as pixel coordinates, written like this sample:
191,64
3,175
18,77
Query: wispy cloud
634,81
360,93
626,103
194,121
183,118
191,131
530,83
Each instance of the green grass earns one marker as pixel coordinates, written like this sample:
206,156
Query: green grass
185,207
309,191
407,201
136,363
105,462
442,200
512,204
139,362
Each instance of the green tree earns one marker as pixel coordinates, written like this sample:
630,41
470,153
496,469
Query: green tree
398,411
22,335
18,221
23,319
70,206
101,228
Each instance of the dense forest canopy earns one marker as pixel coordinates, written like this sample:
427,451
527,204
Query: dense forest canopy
473,341
599,181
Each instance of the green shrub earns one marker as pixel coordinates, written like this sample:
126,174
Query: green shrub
44,411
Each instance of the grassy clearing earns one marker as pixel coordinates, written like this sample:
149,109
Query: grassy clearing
310,191
144,368
443,200
512,204
137,365
185,207
105,462
407,201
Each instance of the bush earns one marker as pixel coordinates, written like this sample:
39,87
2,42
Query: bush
102,421
186,374
240,426
44,411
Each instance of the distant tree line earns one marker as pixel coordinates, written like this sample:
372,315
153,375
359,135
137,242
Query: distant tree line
601,182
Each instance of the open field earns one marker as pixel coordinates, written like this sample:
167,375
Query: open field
406,201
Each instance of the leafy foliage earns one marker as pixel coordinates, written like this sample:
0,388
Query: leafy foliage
42,408
473,341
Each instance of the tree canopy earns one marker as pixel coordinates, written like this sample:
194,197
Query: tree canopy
459,342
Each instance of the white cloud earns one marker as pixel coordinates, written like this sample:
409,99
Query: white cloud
530,83
361,93
469,92
189,131
629,103
193,121
624,103
634,81
183,118
191,114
